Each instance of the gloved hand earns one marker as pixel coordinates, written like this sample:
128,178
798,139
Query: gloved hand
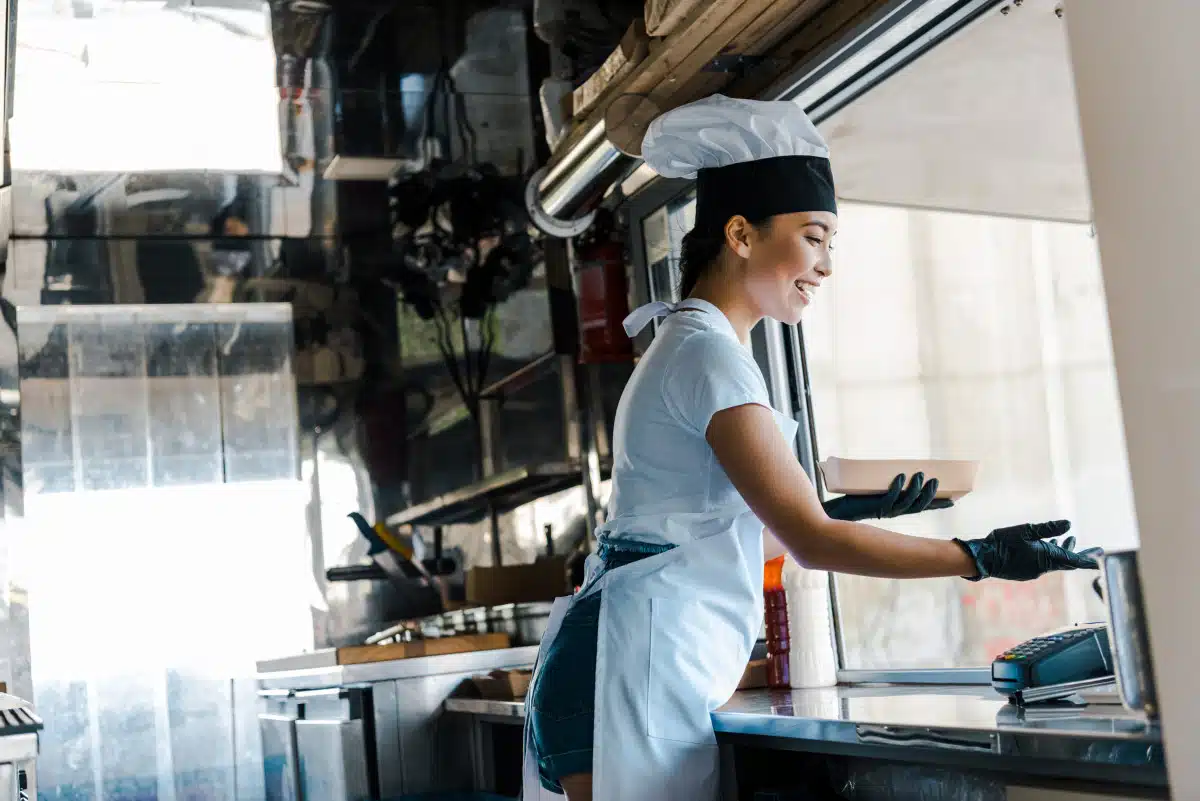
1021,553
893,503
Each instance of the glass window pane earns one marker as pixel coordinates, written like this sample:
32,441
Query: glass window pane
125,72
955,336
663,232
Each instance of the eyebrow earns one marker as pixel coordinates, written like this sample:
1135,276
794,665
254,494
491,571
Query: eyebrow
820,225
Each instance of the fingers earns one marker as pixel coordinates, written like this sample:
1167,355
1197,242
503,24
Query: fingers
889,500
1078,561
1045,531
1064,559
926,497
1068,544
906,500
940,503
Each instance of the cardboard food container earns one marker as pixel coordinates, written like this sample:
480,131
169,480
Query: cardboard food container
870,476
543,580
503,685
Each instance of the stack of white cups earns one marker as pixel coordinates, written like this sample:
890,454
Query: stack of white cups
813,662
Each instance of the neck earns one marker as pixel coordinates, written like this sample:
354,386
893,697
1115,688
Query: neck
733,304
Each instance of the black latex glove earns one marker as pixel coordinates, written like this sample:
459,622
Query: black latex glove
895,502
1021,553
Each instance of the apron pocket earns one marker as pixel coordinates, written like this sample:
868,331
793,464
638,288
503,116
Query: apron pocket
694,655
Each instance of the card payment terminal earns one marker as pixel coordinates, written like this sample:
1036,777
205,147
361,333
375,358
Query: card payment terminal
1067,656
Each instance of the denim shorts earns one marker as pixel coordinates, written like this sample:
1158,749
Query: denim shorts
562,700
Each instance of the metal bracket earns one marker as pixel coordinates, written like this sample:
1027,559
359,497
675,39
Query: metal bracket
740,64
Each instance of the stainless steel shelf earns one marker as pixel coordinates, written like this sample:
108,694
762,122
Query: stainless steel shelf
513,382
503,492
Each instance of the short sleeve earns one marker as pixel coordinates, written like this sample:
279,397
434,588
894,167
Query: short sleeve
711,372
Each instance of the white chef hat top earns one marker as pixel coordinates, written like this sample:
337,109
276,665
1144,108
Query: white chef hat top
718,131
752,158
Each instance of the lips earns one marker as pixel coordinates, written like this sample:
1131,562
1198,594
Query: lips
806,291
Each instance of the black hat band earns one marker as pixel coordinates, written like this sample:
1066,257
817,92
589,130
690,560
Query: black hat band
763,188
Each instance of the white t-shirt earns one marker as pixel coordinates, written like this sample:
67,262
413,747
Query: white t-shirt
667,485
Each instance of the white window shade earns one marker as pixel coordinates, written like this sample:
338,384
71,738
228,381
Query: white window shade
969,337
144,88
985,123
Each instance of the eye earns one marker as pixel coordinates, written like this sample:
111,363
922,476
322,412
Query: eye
816,240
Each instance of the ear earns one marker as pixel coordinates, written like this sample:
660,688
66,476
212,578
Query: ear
737,236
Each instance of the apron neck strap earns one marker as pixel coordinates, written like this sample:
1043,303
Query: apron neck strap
642,315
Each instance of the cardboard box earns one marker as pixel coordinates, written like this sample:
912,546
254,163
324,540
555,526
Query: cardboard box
543,580
755,676
503,685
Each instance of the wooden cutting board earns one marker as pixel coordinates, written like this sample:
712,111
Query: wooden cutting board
362,654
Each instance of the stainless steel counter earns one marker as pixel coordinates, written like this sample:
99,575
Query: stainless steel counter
967,726
287,677
380,725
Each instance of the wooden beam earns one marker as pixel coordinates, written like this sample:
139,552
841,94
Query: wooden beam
700,57
752,38
833,23
685,63
664,16
755,42
633,49
661,67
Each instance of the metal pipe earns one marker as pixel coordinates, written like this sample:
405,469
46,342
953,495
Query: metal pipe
568,162
561,199
598,170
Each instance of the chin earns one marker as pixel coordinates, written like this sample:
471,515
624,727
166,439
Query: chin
789,315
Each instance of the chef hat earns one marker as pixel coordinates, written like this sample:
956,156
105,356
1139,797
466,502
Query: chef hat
756,158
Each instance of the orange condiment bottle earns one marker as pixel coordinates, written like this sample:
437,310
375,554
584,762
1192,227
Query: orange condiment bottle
776,618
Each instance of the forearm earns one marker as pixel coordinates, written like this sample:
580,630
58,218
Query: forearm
859,549
761,465
773,548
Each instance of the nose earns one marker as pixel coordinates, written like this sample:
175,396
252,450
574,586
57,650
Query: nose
825,267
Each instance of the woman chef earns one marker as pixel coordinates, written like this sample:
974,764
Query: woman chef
658,637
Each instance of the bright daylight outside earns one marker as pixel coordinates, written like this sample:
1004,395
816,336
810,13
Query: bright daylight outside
145,81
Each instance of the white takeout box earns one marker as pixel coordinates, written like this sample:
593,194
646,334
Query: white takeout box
870,476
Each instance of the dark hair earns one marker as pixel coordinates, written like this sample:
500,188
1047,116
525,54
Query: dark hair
699,251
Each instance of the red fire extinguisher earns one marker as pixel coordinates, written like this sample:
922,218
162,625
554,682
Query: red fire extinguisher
602,289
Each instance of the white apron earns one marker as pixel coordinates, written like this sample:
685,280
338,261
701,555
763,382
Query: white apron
675,633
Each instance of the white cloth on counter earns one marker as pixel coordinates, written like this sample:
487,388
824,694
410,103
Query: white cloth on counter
718,131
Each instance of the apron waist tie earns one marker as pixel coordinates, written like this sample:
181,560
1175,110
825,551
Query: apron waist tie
618,553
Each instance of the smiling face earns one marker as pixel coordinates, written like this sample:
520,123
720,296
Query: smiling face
784,260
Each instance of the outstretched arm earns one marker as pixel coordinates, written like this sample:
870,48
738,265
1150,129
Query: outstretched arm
766,473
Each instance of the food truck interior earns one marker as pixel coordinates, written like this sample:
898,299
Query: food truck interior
313,347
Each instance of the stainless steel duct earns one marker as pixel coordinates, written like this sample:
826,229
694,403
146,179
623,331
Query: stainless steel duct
561,200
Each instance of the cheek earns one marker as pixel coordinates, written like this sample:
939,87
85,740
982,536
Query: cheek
790,260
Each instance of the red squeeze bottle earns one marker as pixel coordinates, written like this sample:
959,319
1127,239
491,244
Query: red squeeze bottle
776,618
